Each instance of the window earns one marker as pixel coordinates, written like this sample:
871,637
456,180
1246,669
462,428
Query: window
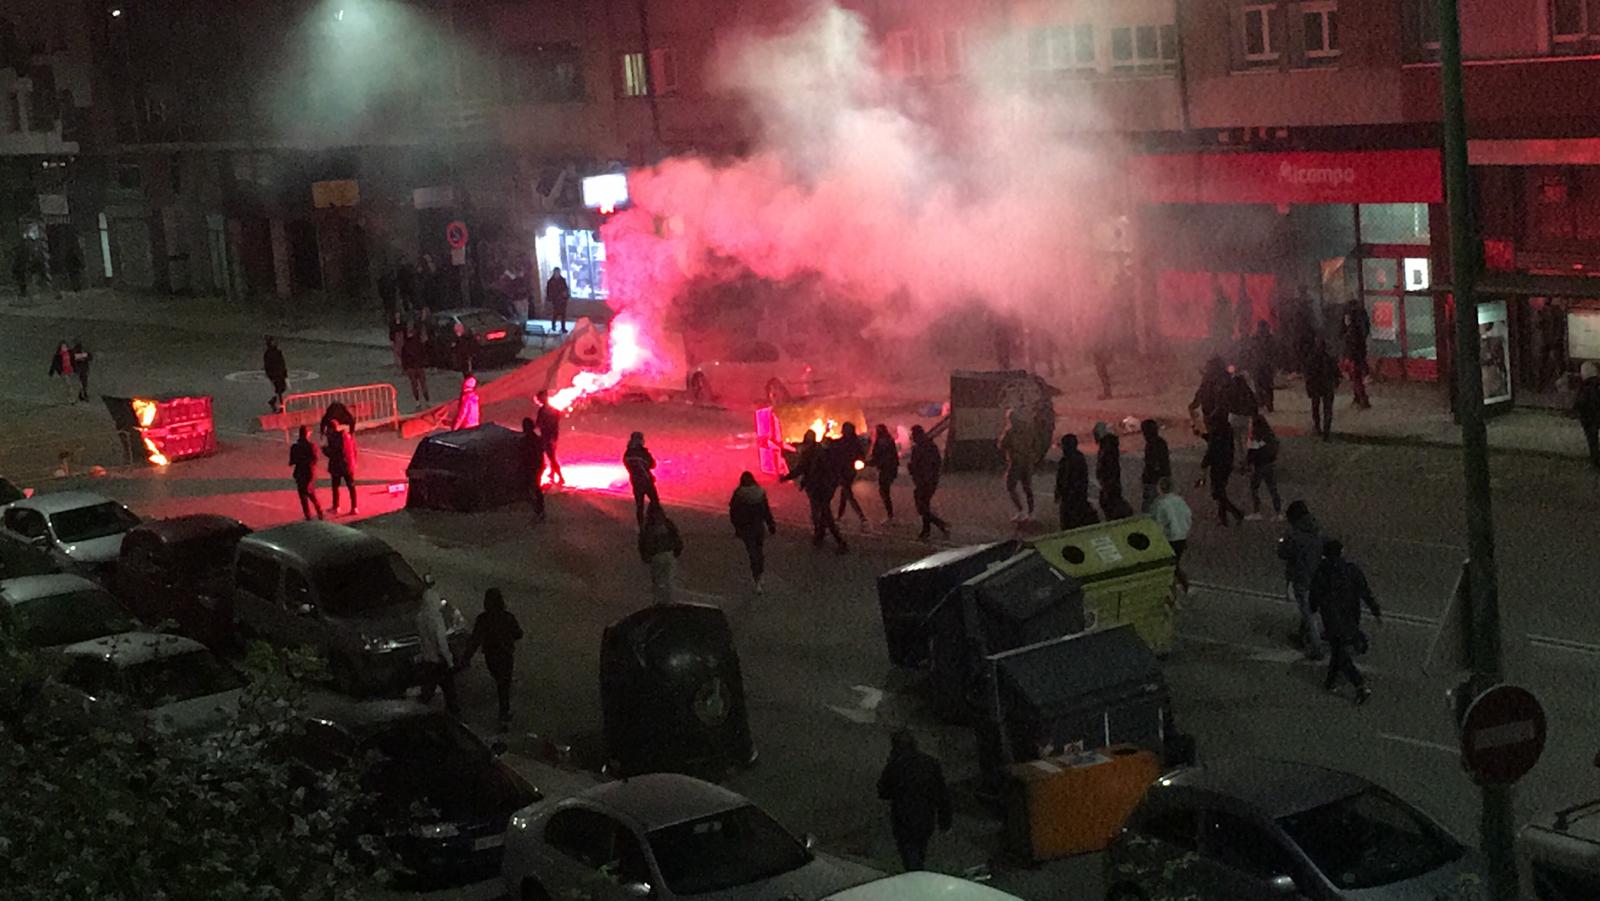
257,575
584,835
1425,17
1144,48
1244,846
926,53
635,83
664,71
1083,44
1061,48
1569,20
718,852
1174,827
25,522
1371,838
1321,19
1260,39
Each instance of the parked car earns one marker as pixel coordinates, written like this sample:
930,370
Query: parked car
758,372
73,531
339,591
663,836
921,886
1559,853
493,339
59,609
1247,829
10,492
439,794
164,681
180,570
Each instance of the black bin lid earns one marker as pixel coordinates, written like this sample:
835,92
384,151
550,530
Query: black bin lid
1023,587
1059,674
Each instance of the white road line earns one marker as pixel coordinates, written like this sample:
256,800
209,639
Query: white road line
256,502
1420,743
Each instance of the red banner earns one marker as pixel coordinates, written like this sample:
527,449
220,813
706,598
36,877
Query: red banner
1381,176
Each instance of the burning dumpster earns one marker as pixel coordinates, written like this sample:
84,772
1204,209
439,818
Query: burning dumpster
164,429
779,428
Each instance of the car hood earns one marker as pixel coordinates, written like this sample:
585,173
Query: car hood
1459,880
197,715
95,550
461,791
823,876
386,622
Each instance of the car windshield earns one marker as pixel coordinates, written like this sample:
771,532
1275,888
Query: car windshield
431,739
89,523
481,322
367,584
181,677
72,617
718,852
1370,839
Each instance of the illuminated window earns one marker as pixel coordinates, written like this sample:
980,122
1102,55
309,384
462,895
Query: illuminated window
634,81
1061,48
1146,49
1321,19
1569,20
1259,24
664,70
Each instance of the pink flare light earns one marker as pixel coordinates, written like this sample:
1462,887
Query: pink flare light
627,354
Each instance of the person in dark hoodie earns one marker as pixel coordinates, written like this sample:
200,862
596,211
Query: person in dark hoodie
1016,446
1218,467
1261,458
660,546
341,453
1211,395
497,632
1300,549
814,470
277,372
80,366
1242,408
1322,379
752,520
303,462
919,799
1072,486
1108,470
925,466
1586,406
1338,591
1157,463
885,458
641,465
533,459
847,456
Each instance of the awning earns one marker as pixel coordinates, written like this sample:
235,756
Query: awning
1379,176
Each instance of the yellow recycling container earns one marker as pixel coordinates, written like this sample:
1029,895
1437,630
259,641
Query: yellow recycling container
1125,567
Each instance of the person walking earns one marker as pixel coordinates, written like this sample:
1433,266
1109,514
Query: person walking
1100,355
61,365
640,464
1322,379
1261,459
814,471
397,336
414,363
660,546
557,294
751,515
919,800
1016,447
303,462
1211,394
1157,463
1072,486
436,665
549,421
1108,471
496,632
1217,465
1172,513
1586,406
848,456
80,367
1357,326
1339,589
341,452
885,458
277,373
1300,548
1242,408
924,467
1262,360
533,459
468,409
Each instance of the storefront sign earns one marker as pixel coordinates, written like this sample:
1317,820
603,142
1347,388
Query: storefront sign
1388,176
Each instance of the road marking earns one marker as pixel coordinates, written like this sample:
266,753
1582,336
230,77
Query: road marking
256,375
1420,743
257,502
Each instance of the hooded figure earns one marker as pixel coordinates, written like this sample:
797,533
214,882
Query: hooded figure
660,546
847,456
1072,486
1300,549
1017,447
1209,397
276,371
924,468
1322,379
435,662
467,405
497,632
919,800
1218,466
815,470
885,458
341,452
61,365
533,459
1586,406
1108,470
1157,462
80,365
1338,590
641,465
752,520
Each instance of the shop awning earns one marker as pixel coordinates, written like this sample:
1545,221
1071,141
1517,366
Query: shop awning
1378,176
1522,284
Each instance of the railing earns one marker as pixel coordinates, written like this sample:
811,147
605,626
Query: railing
373,406
61,455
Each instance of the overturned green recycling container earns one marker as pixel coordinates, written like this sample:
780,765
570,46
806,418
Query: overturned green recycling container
1126,568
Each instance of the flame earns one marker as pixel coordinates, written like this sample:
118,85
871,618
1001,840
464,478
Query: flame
145,410
860,465
156,456
824,428
627,354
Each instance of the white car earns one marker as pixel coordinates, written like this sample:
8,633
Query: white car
79,531
165,681
757,372
60,609
921,886
663,837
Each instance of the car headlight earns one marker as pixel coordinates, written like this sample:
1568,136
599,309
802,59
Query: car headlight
435,830
382,645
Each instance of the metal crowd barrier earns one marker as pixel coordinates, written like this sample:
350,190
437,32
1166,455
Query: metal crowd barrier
373,406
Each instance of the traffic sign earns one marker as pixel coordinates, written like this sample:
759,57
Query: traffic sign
1502,735
455,234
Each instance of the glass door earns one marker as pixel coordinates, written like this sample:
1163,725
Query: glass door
1403,342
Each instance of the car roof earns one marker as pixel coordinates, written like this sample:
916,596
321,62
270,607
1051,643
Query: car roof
179,529
663,799
317,542
459,312
362,718
23,589
1274,788
921,886
127,649
58,501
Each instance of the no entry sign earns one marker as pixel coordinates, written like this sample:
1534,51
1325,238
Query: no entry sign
1502,735
455,234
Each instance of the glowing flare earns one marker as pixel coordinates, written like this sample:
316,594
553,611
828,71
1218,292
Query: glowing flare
824,428
860,465
627,355
156,456
145,410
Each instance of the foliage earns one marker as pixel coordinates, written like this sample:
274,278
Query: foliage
112,808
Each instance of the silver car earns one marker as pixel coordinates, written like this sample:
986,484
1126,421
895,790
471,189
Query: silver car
163,681
663,836
60,609
1253,829
77,531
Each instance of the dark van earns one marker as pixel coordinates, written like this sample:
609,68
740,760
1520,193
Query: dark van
181,569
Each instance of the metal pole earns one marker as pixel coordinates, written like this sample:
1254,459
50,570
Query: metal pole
1497,830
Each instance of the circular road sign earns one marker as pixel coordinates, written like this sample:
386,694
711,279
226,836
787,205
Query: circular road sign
1502,735
456,234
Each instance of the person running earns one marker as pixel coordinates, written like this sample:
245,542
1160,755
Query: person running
1072,486
533,459
1218,467
1322,379
660,546
468,408
1157,463
640,464
414,362
549,420
1015,447
80,366
752,520
1586,406
814,472
276,371
341,452
885,458
1171,512
847,456
303,462
496,631
924,468
1339,589
61,365
1300,548
1261,459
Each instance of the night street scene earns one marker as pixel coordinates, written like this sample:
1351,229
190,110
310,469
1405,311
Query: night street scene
799,450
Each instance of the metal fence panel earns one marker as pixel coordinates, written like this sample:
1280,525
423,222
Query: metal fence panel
373,406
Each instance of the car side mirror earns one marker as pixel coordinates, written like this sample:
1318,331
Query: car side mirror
1283,885
637,890
810,841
